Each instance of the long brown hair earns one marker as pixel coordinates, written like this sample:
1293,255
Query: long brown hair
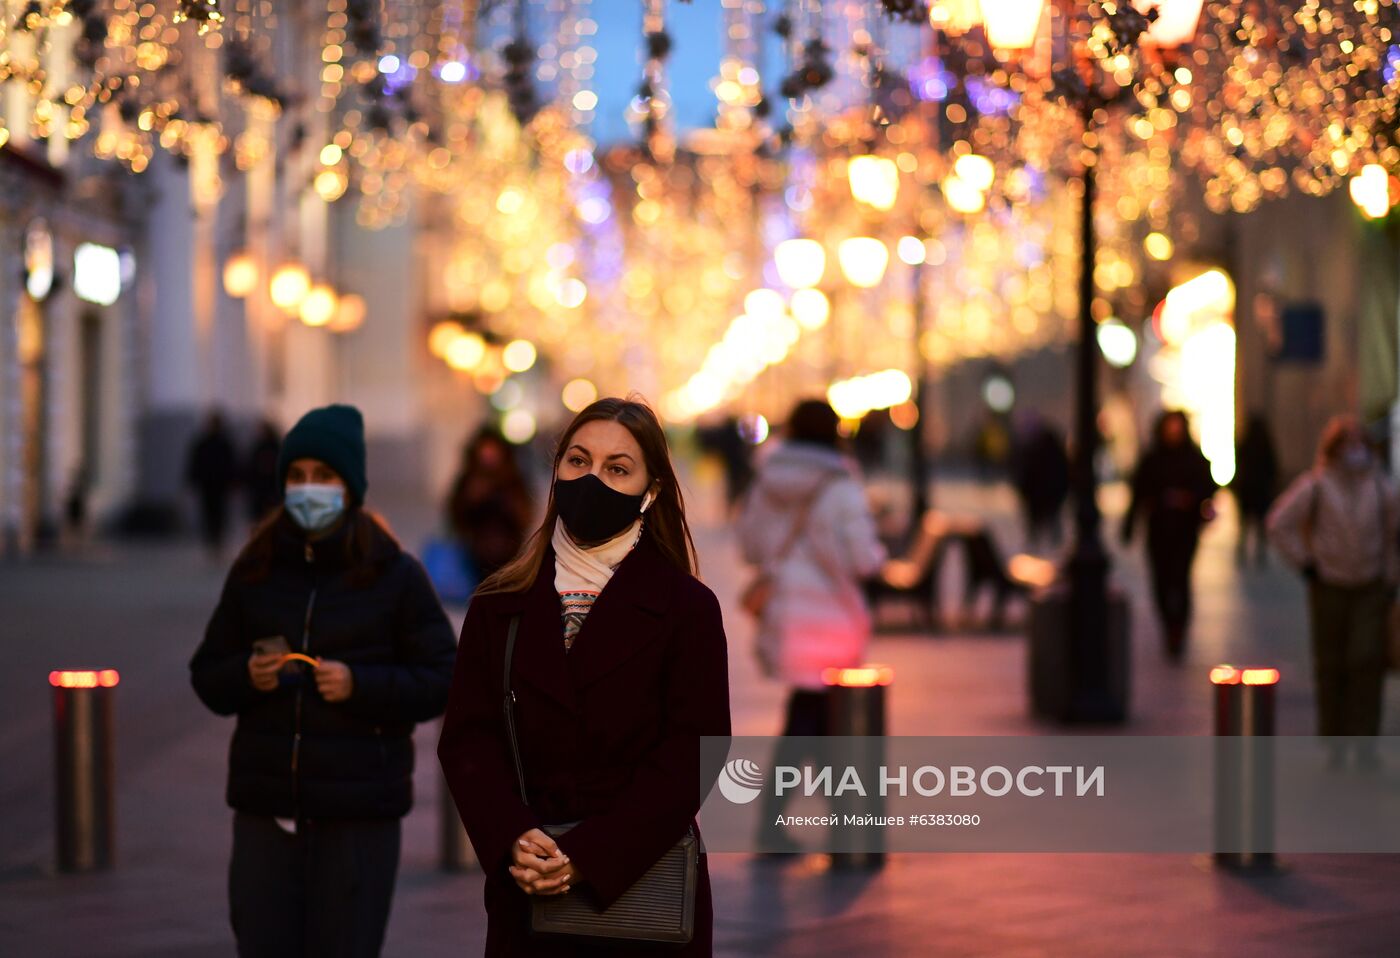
665,521
367,544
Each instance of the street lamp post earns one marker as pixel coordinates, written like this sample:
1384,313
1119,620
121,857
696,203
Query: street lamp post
1091,698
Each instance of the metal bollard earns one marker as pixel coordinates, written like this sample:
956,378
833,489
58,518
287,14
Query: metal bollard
856,716
456,852
1244,766
83,805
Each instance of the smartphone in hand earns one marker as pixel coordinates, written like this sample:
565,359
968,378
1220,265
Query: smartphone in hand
272,645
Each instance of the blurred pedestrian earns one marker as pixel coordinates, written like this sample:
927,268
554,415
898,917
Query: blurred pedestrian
490,508
1172,490
1254,485
1337,523
808,528
726,439
1040,473
260,476
321,765
618,669
212,471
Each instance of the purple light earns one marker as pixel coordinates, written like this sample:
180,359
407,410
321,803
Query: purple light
929,81
578,162
989,99
1392,62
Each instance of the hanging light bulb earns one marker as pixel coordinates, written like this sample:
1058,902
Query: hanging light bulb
289,286
874,180
318,306
800,262
240,275
863,260
1012,24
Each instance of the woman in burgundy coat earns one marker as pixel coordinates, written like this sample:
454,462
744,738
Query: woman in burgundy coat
619,669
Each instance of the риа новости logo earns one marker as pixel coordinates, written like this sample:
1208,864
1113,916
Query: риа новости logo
740,781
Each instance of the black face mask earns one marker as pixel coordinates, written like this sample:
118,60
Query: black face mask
592,510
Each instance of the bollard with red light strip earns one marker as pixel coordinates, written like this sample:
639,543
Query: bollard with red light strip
856,715
82,716
1244,766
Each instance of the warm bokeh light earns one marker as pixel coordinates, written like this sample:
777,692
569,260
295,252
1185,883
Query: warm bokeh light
240,275
863,260
1159,246
764,304
874,181
1371,191
854,398
962,196
289,286
911,250
800,262
442,335
1012,24
519,355
331,184
976,171
466,352
318,306
1225,675
810,308
955,17
84,679
349,314
865,676
1118,343
518,426
578,394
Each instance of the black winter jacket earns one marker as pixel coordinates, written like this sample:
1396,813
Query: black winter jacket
294,754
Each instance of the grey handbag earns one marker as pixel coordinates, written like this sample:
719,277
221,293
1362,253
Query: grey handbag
659,907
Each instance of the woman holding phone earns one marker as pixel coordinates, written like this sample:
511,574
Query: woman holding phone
618,669
328,644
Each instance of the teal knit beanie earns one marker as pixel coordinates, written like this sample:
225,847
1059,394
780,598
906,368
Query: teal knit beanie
336,436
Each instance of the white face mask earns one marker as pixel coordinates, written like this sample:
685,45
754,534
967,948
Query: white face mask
1356,457
315,506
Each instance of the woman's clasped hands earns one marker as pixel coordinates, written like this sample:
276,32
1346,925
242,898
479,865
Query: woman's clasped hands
540,867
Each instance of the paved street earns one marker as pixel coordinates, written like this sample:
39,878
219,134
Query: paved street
140,609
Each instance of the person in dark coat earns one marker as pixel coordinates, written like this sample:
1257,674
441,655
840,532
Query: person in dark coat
1172,489
1254,485
619,669
260,475
1040,472
321,764
212,471
490,508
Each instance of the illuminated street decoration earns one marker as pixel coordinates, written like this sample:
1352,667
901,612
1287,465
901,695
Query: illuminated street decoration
625,264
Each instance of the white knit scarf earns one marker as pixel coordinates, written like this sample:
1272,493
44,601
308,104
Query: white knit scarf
580,574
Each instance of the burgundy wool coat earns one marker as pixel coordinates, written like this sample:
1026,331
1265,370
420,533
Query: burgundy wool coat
609,736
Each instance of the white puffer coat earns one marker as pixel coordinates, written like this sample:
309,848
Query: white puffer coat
817,617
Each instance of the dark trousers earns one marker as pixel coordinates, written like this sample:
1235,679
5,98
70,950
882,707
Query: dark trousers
807,712
324,891
1348,647
1170,552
